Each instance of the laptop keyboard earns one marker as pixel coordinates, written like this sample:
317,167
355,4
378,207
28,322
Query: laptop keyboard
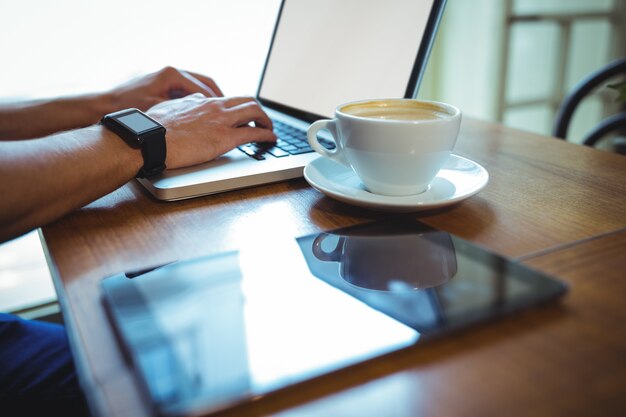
290,141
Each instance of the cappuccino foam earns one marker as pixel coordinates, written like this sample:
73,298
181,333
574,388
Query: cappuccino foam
394,110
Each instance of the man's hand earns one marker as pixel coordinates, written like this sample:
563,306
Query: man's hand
168,83
202,128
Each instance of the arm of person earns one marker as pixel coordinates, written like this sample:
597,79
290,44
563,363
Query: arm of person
43,179
38,118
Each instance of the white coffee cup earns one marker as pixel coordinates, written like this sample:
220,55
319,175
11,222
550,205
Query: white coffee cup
395,146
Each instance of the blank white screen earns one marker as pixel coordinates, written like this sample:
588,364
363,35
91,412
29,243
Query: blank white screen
327,52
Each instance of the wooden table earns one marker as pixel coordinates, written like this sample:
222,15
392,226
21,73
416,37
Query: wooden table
556,206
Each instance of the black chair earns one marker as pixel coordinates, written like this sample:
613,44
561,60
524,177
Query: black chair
614,123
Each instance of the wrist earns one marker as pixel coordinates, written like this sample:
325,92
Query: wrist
87,109
128,159
101,104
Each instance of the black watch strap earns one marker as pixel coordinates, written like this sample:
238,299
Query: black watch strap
153,150
139,130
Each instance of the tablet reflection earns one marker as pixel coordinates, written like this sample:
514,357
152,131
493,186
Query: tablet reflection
394,268
388,261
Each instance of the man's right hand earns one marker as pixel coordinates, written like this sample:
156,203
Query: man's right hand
201,128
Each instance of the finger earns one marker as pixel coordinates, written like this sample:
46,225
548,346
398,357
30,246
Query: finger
238,136
248,112
208,82
235,101
190,84
198,98
249,134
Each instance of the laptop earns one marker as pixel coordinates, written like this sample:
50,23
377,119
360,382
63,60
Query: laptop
323,53
211,334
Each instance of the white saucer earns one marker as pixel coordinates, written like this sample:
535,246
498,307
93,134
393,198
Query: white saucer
460,178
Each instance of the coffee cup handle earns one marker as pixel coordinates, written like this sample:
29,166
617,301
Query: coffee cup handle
334,154
321,254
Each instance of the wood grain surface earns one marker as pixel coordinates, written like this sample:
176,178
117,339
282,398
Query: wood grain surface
550,203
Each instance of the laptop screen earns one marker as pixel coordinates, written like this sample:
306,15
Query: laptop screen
327,52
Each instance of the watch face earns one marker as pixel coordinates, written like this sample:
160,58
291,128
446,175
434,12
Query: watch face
137,122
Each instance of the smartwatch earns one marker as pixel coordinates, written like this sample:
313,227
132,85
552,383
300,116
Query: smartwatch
140,131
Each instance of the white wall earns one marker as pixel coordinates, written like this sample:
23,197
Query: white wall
464,63
466,60
70,46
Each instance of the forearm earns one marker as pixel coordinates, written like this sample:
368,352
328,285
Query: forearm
43,179
35,119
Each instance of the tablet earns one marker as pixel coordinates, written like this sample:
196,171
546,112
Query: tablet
207,334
